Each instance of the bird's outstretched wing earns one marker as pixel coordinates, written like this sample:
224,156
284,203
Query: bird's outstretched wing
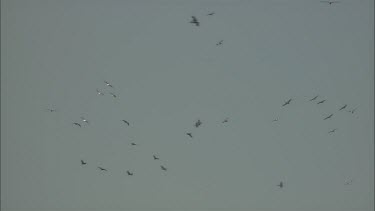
126,122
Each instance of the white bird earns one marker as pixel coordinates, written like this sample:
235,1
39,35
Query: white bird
108,84
99,92
84,120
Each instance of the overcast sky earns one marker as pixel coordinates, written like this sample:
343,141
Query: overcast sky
167,73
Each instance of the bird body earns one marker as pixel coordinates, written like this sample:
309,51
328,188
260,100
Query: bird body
99,92
75,123
332,131
320,102
113,95
194,20
85,120
314,98
198,123
210,14
126,122
219,43
102,169
155,158
281,185
83,162
108,84
163,168
129,173
328,117
189,134
287,102
343,107
329,2
225,120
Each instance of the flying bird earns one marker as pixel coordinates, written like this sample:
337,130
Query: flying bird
113,95
211,13
314,98
85,120
281,185
353,110
133,144
108,84
189,134
102,169
332,131
320,102
163,168
225,120
328,117
194,21
219,43
287,102
126,122
275,120
155,158
51,110
198,123
348,182
343,107
83,162
329,2
129,173
75,123
99,92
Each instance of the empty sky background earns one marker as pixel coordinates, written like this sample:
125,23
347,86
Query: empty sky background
167,74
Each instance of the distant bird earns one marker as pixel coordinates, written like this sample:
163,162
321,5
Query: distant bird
189,134
108,84
328,117
332,131
320,102
287,102
163,168
225,120
314,98
329,2
353,110
85,120
133,144
83,162
129,173
75,123
99,92
126,122
281,185
194,21
155,158
51,110
275,120
198,123
102,169
113,95
219,43
343,107
211,13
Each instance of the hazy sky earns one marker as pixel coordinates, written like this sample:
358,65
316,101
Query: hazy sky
167,74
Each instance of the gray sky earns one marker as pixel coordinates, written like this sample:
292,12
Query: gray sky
167,74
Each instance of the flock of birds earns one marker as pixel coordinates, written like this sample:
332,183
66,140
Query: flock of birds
198,123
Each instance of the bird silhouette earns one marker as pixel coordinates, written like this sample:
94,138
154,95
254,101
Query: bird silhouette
129,173
281,185
211,13
343,107
328,117
314,98
287,102
353,110
332,131
126,122
219,43
320,102
75,123
189,134
108,84
225,120
275,120
99,92
155,158
102,169
198,123
51,110
194,21
83,162
163,168
329,2
113,95
133,144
